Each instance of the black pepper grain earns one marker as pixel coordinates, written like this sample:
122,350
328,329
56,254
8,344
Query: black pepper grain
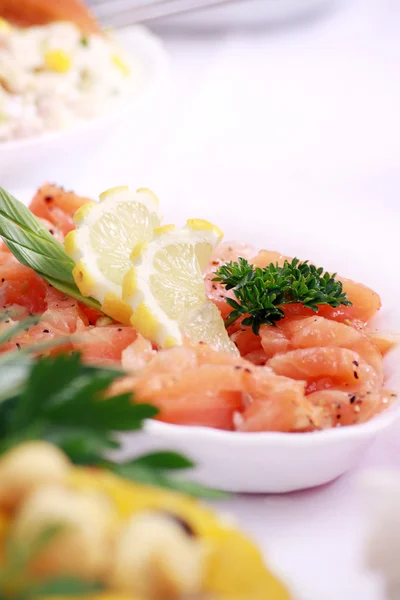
355,363
355,374
352,399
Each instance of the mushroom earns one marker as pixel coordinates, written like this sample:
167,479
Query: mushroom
81,545
27,467
156,558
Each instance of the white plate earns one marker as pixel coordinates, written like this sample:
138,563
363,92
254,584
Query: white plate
282,462
63,155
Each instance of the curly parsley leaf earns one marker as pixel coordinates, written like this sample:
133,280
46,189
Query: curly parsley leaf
261,294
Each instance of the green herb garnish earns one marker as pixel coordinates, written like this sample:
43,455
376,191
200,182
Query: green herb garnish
84,41
64,401
262,293
33,246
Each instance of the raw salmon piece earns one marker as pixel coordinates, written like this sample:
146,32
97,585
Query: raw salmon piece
266,257
346,408
57,206
136,356
62,317
273,340
383,340
227,252
365,301
55,232
64,312
317,331
277,403
223,253
213,410
104,345
217,293
247,342
287,412
92,315
186,391
365,304
197,385
21,286
343,366
257,357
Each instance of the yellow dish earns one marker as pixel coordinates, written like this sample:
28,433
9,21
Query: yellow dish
158,544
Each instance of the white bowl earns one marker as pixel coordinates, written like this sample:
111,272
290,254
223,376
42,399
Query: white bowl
63,155
246,13
283,462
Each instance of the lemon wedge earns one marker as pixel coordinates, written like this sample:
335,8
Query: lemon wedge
101,245
165,287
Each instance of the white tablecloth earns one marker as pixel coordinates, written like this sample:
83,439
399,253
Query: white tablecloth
302,123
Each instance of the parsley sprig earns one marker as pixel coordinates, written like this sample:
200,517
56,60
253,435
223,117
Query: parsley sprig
262,293
64,401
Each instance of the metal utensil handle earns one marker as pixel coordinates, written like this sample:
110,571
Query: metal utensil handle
118,13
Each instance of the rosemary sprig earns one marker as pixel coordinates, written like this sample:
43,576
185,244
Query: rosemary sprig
262,293
33,246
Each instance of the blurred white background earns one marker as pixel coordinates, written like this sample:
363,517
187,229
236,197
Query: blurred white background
305,115
297,127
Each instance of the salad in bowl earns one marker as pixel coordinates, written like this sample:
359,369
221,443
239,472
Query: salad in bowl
237,349
65,85
54,76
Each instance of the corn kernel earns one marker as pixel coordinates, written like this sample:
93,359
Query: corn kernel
5,27
57,60
121,65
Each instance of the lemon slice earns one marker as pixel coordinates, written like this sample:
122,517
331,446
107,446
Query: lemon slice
105,235
165,287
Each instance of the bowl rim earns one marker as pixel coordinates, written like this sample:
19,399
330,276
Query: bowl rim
150,50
